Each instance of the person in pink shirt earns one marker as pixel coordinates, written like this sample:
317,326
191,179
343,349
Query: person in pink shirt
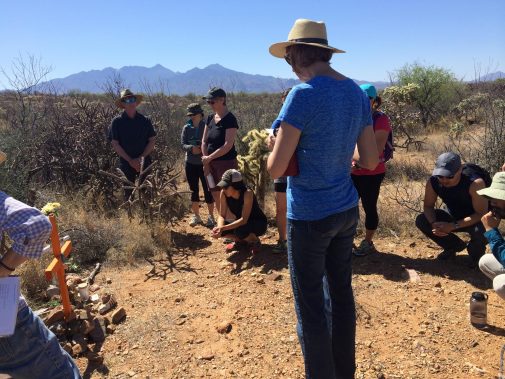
368,182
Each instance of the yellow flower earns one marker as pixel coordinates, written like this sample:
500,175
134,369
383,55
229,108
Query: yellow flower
51,208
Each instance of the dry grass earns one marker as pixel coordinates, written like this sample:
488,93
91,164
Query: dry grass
95,238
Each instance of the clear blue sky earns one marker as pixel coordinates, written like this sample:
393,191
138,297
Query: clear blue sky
379,36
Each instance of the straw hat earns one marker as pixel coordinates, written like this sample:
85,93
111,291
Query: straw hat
3,157
304,32
127,93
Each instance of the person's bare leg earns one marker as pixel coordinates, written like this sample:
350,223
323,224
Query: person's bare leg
195,208
216,195
281,214
369,235
210,207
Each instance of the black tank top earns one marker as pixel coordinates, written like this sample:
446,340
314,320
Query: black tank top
235,206
457,198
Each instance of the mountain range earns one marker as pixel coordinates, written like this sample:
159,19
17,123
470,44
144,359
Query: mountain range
196,80
162,79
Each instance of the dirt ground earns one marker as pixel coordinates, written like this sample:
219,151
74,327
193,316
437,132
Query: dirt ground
404,329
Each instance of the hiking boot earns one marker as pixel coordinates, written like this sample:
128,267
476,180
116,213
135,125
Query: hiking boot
450,253
446,255
364,248
281,247
195,220
210,222
255,247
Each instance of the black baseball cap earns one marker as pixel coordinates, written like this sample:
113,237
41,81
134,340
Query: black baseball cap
214,92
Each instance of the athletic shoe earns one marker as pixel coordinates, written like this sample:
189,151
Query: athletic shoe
446,255
195,220
210,222
281,247
364,248
450,253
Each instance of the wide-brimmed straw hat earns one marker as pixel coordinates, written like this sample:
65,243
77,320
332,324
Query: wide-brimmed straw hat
497,188
127,93
3,157
304,32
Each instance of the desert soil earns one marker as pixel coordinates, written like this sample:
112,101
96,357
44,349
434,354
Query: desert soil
405,329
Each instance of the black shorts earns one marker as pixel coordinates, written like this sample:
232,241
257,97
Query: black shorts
280,187
258,227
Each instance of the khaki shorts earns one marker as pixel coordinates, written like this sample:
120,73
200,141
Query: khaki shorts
217,169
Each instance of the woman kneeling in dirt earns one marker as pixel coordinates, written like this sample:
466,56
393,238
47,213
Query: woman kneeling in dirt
250,222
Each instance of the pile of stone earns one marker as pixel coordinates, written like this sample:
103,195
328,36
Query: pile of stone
95,314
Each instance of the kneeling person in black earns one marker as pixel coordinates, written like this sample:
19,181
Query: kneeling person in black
458,190
250,222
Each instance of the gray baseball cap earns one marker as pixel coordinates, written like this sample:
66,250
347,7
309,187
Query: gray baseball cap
230,176
447,164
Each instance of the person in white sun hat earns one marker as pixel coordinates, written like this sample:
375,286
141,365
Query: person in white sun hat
493,265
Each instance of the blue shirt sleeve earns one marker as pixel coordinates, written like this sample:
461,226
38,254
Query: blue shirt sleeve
297,109
497,244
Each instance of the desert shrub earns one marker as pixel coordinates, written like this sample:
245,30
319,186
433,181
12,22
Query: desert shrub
484,145
406,169
33,280
437,89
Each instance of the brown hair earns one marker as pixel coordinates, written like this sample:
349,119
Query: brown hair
285,94
376,103
302,56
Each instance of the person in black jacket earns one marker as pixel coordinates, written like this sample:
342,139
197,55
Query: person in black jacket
458,190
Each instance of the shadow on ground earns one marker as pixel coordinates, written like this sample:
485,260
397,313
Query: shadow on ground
184,246
391,266
266,260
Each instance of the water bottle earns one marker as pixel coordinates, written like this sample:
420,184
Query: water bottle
478,309
210,181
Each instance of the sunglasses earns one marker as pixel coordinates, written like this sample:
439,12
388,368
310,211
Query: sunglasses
445,177
287,57
211,102
129,100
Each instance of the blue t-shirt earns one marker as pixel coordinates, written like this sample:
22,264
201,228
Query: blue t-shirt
331,115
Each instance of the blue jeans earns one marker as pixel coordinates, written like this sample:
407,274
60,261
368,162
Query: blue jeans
33,352
318,251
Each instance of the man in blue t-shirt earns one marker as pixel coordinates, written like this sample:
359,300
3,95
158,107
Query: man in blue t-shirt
132,137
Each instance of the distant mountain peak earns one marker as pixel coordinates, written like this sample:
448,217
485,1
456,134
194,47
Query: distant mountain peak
159,78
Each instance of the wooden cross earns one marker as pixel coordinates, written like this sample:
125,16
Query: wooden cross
57,267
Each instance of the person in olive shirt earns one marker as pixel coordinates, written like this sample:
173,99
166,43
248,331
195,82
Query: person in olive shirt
191,141
132,137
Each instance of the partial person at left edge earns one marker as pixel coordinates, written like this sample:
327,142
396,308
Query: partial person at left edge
33,351
132,137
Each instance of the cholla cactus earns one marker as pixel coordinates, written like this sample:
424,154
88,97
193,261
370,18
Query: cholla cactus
253,164
51,208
